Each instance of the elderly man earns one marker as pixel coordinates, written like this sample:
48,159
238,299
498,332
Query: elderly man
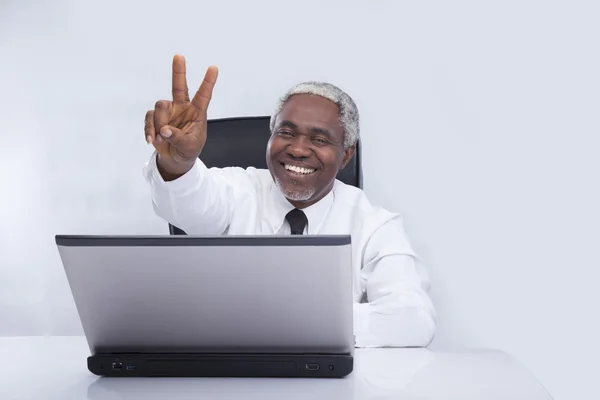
314,131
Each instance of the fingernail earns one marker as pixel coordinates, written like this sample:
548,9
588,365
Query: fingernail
148,139
166,133
159,139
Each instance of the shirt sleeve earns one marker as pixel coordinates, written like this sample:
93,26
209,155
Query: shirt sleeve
199,202
398,311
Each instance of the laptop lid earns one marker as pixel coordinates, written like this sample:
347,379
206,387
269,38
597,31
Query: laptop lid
225,294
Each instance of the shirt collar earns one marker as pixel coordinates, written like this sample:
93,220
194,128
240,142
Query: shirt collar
315,213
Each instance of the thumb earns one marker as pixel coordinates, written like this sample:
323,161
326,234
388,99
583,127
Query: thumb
171,134
181,141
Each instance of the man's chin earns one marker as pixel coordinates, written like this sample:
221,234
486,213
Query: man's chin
293,192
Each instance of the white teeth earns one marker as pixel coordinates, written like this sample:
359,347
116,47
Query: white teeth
299,170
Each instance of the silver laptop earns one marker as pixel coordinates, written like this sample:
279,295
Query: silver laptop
231,306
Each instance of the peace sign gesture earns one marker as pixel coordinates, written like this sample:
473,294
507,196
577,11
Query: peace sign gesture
177,128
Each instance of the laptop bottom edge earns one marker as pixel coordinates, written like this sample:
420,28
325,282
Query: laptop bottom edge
221,365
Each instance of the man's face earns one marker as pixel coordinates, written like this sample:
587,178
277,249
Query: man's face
306,149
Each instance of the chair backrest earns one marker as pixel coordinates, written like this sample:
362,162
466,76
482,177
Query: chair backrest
242,142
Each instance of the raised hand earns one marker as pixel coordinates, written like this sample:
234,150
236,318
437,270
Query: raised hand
177,128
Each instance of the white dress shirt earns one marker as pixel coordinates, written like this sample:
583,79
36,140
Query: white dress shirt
391,304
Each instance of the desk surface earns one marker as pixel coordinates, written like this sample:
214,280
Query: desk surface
55,368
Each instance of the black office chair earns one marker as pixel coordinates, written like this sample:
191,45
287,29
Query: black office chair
242,142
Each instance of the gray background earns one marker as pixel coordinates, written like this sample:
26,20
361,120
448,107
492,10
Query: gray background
479,122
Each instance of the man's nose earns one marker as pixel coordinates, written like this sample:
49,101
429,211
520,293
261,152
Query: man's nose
299,148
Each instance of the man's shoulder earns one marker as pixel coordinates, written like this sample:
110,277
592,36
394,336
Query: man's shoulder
260,176
364,217
249,179
248,173
356,200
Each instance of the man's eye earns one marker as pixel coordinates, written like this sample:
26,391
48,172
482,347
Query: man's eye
286,133
320,141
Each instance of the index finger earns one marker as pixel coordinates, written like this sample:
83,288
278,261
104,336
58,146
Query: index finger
180,87
202,97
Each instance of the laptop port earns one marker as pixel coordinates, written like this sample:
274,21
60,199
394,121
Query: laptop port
130,367
312,367
117,366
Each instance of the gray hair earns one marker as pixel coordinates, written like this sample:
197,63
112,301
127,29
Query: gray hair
348,110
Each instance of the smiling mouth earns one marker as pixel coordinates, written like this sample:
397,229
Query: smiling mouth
298,170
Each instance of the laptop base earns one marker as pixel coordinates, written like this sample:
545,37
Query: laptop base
221,365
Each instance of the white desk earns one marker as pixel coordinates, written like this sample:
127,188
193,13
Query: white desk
43,368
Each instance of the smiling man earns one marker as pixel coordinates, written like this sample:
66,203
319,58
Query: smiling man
314,130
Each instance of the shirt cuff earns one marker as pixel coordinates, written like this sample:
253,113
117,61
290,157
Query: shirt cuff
190,179
362,335
404,327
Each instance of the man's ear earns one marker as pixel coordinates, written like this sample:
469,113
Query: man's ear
348,154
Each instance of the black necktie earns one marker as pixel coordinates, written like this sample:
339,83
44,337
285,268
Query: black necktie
297,220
